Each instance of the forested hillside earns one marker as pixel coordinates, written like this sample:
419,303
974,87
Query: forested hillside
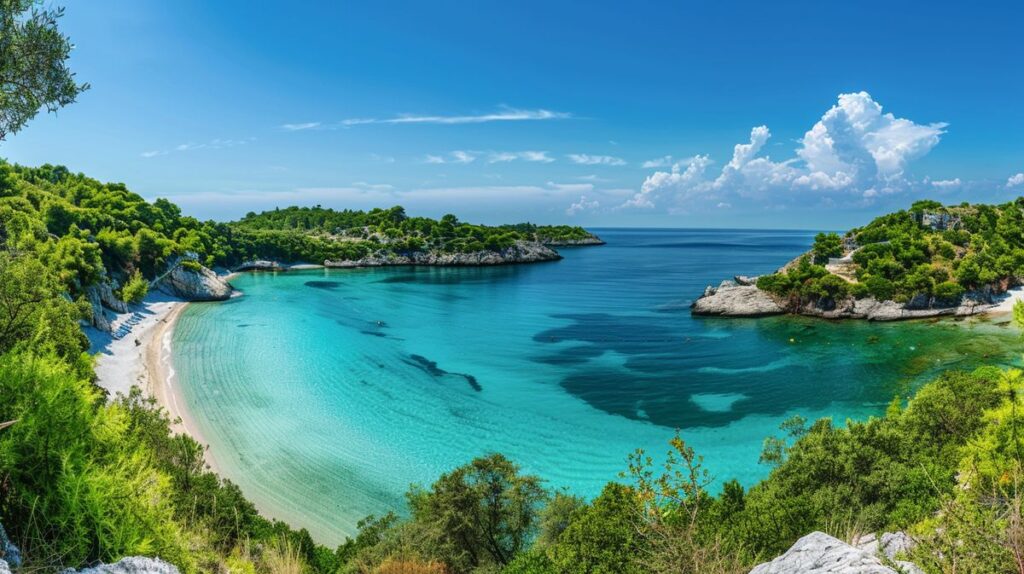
930,252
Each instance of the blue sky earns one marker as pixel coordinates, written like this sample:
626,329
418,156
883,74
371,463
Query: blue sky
547,111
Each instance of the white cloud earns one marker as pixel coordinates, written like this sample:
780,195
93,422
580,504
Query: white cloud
723,205
503,115
1015,180
457,156
373,186
663,161
460,156
945,183
586,159
529,155
571,187
153,153
854,148
582,205
300,126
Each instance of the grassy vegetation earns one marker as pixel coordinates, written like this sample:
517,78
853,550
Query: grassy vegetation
930,252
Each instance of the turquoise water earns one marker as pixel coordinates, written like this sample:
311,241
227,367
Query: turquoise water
324,394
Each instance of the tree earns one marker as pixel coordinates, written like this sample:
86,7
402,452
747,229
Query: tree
480,514
32,310
827,245
33,64
135,290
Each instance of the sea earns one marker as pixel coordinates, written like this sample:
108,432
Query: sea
326,394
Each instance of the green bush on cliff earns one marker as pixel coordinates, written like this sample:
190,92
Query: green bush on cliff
826,245
135,290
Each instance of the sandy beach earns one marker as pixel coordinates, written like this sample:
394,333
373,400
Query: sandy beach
1012,296
143,358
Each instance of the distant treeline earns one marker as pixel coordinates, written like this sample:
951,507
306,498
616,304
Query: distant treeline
86,230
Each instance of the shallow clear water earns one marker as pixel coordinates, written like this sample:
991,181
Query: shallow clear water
324,394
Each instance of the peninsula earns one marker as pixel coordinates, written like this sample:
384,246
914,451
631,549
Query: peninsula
930,260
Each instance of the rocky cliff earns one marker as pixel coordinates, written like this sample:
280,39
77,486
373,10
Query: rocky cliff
193,282
819,553
743,299
101,297
520,252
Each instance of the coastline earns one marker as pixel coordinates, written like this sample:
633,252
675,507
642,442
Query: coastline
743,299
142,358
162,382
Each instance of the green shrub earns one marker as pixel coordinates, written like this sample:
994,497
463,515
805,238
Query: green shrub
827,245
191,265
948,291
135,290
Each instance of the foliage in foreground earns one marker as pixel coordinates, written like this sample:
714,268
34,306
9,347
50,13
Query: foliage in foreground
33,64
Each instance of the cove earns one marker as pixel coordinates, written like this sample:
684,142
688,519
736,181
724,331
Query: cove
345,386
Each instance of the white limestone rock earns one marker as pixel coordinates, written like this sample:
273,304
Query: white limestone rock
819,553
192,285
130,565
731,300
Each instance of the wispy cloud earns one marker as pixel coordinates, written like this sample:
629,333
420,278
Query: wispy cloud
946,183
373,186
503,115
382,158
529,155
1015,180
586,159
217,143
301,126
457,156
663,161
571,187
214,144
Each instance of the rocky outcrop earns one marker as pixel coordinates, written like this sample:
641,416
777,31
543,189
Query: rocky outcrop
592,240
819,553
260,265
732,300
101,297
193,282
131,565
743,299
889,544
520,252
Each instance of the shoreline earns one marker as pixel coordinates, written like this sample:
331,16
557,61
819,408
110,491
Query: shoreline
743,299
142,358
162,383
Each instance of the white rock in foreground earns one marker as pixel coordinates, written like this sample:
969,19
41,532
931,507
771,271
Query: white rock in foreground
819,553
132,565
